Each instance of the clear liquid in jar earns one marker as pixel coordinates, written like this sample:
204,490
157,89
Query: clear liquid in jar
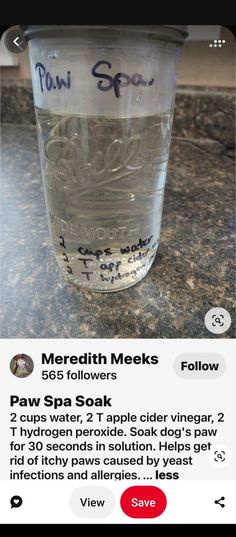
104,181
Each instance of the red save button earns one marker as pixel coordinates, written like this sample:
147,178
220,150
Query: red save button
143,502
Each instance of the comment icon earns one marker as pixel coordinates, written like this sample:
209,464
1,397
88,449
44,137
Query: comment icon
16,501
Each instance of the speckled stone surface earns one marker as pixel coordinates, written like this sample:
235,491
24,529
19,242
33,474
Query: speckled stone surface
17,102
206,113
193,270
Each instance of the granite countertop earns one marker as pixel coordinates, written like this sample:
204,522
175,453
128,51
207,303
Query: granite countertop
192,272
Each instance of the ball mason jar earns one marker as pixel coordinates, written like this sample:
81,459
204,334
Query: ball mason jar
104,100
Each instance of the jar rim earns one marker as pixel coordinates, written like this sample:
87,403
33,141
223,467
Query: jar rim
165,32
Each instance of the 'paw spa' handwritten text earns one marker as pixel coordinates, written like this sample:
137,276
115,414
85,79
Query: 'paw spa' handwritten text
48,82
120,80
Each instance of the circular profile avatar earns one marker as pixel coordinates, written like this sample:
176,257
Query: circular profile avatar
21,365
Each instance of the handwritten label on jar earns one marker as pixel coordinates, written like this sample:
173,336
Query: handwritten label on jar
47,82
97,267
120,80
64,255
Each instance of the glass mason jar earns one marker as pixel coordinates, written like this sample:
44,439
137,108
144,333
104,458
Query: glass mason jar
104,99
